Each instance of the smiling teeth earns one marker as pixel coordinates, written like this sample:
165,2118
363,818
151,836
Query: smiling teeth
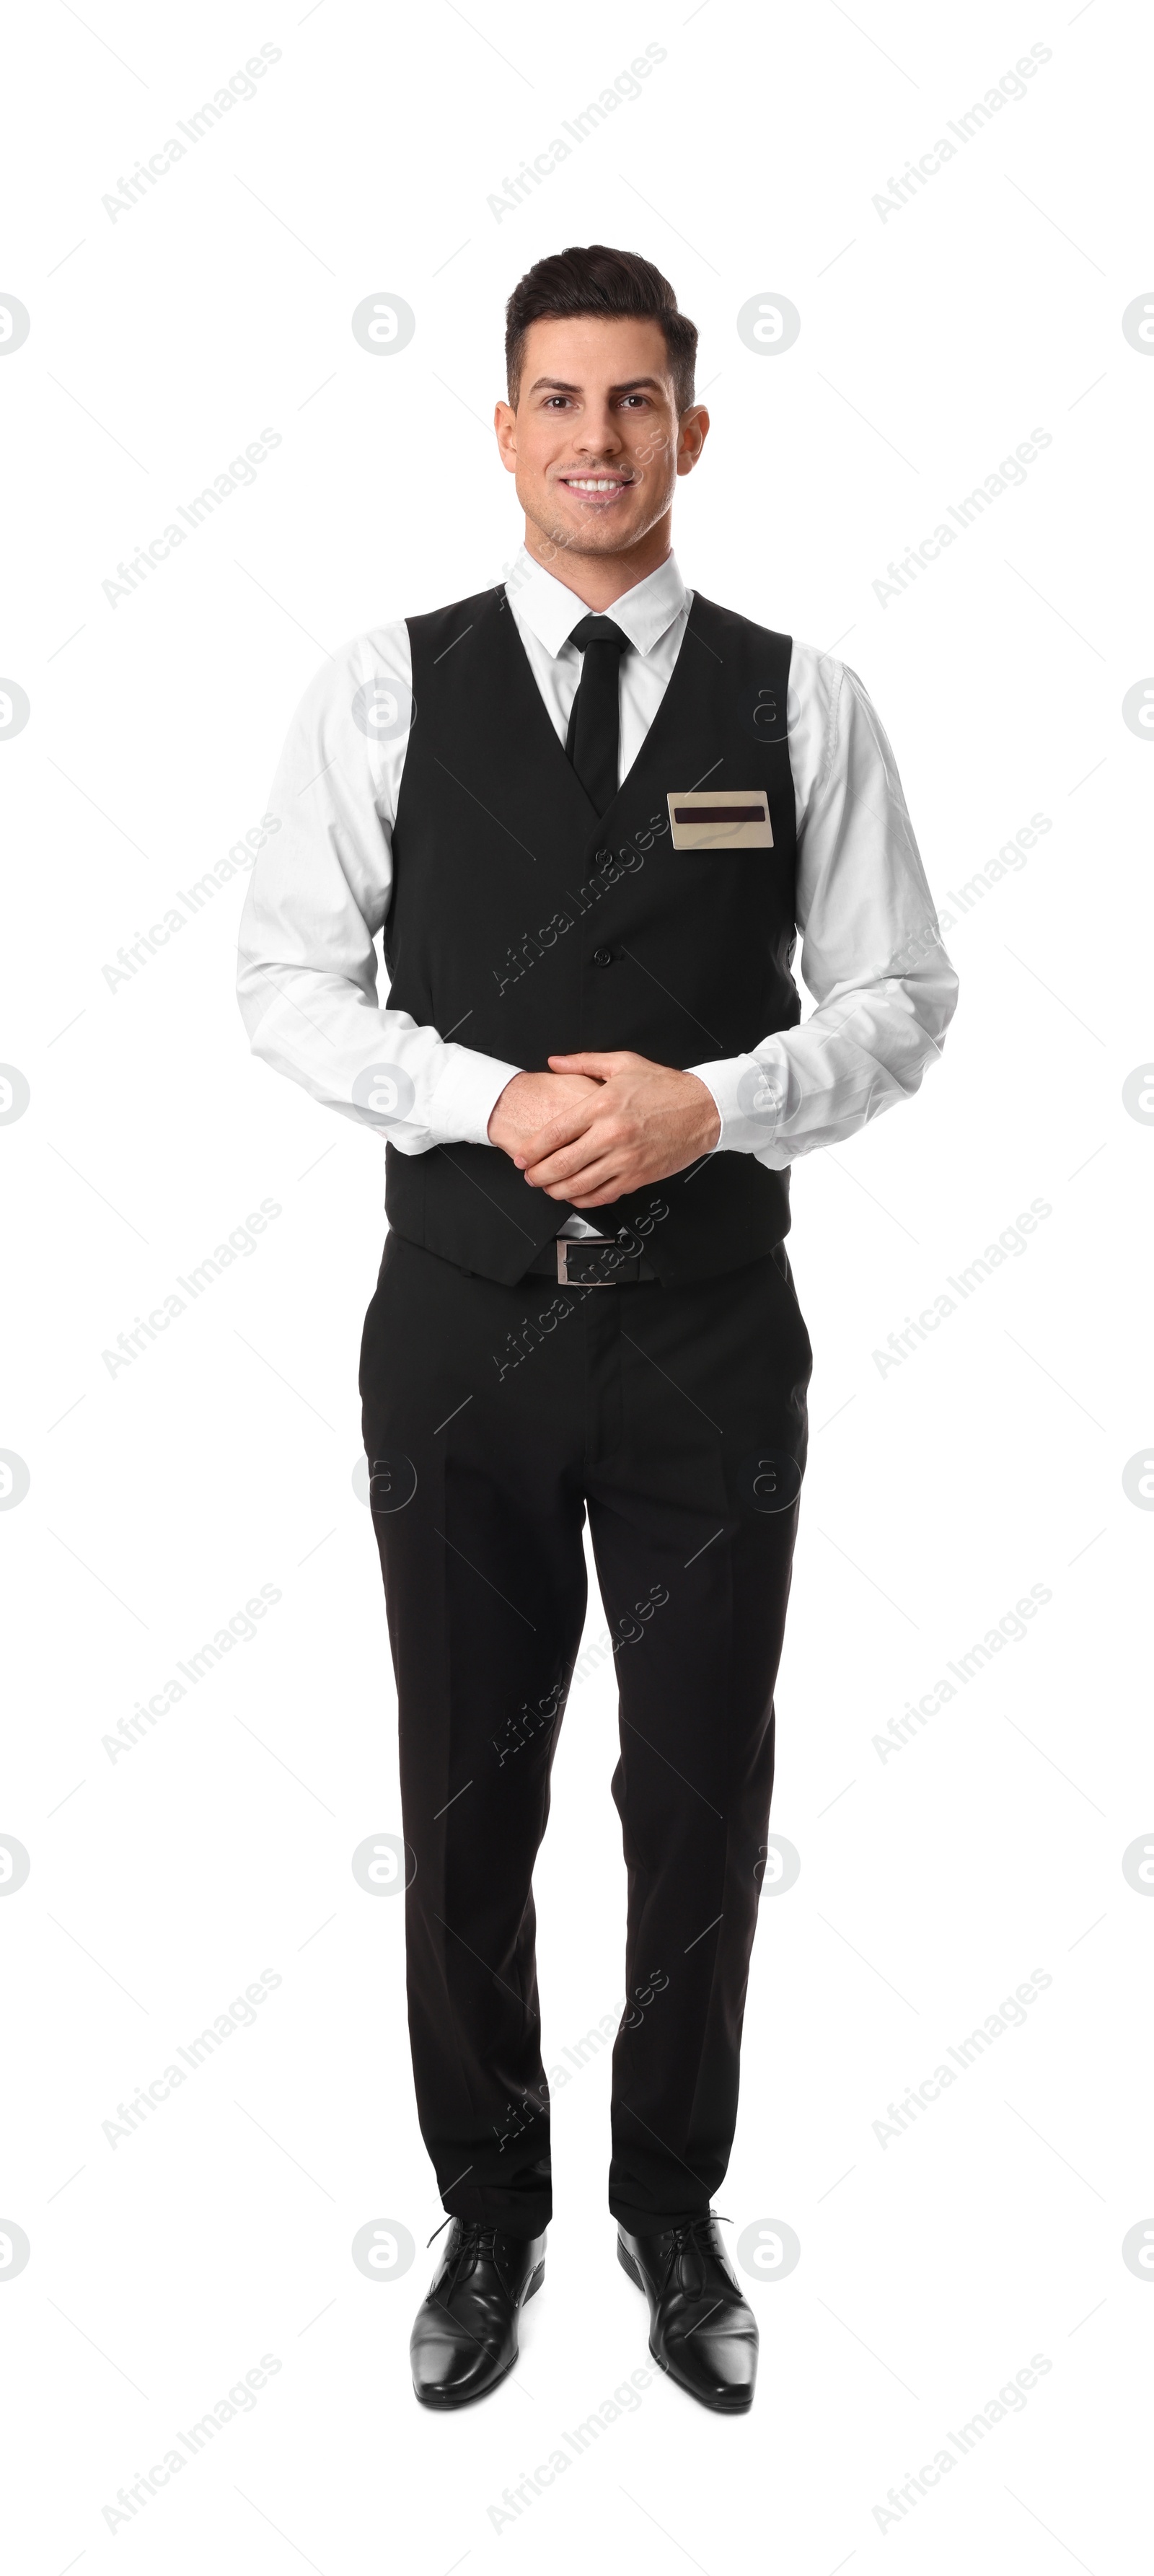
613,484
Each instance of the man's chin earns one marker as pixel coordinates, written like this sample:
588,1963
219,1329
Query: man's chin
584,534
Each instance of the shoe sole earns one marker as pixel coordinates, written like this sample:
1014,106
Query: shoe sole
471,2396
716,2406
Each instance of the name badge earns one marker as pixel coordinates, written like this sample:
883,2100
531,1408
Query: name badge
721,818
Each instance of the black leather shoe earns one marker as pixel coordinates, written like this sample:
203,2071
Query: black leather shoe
701,2330
464,2340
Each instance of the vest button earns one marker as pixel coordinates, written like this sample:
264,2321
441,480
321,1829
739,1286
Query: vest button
602,956
603,860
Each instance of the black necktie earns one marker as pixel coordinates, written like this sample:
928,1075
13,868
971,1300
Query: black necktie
594,725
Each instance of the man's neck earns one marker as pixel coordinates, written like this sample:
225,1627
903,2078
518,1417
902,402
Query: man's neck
597,580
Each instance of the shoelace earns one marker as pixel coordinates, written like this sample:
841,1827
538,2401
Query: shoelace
691,2235
473,2242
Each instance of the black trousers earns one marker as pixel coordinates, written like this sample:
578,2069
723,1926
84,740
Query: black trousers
494,1419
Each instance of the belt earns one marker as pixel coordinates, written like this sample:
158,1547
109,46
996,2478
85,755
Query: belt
594,1261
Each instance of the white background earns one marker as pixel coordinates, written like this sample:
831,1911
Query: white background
933,2266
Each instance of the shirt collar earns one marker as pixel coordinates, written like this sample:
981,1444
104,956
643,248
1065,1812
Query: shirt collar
551,610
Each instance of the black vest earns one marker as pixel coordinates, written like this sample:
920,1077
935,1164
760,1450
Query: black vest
524,926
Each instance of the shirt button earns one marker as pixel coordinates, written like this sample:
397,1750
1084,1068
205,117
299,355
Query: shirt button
602,956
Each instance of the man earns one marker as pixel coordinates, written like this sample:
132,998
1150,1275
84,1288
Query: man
589,810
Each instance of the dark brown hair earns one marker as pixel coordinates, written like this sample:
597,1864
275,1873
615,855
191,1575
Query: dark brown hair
611,284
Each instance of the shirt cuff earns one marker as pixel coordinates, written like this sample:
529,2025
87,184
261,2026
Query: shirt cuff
748,1091
467,1093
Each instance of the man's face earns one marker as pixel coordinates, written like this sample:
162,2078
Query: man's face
595,442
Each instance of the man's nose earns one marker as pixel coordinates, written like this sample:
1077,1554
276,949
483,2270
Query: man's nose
599,434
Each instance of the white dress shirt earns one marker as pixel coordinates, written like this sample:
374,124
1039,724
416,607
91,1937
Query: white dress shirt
320,891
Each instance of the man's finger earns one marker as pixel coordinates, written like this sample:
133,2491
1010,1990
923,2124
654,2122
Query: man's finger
574,1170
597,1182
573,1156
562,1130
598,1067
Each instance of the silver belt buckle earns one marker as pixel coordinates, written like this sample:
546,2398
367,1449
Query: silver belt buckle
567,1243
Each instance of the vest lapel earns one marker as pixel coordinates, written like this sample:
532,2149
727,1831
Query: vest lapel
545,753
689,679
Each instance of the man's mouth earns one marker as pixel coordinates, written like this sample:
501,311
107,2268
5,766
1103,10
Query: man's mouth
597,486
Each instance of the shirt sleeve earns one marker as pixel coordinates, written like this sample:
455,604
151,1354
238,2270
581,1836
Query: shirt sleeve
871,952
318,896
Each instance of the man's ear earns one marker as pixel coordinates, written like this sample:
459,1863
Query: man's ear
505,425
692,432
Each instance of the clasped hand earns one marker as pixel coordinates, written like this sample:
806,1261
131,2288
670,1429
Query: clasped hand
597,1126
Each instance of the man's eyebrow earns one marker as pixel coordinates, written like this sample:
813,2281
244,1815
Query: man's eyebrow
634,384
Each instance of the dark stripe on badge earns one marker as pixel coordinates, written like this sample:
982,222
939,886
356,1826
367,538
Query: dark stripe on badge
719,813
